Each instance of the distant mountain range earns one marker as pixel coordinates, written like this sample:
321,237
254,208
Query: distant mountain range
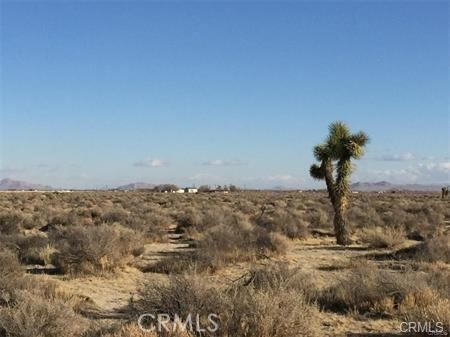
382,186
17,185
136,186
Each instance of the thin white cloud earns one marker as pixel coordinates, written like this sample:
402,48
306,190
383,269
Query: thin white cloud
204,177
151,163
397,157
280,177
432,172
9,171
222,162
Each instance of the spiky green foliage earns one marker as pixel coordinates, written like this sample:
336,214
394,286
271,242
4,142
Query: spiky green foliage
317,172
334,156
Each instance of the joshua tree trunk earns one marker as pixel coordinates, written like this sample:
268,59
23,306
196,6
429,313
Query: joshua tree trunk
340,228
339,203
329,180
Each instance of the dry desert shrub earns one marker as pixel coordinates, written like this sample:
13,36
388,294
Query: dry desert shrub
288,223
31,248
34,249
271,313
131,329
11,273
241,241
153,224
10,222
435,249
234,241
63,217
427,306
364,215
111,216
242,310
93,249
318,217
34,308
34,316
182,295
195,221
382,237
368,289
280,276
437,276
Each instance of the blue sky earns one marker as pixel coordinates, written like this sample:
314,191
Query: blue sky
105,93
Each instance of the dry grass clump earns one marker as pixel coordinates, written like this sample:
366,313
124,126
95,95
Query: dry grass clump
382,237
435,249
133,330
130,329
195,221
34,249
437,276
288,223
368,289
224,244
318,217
150,220
11,273
33,316
189,220
277,276
426,306
275,311
181,295
93,249
233,242
364,215
118,215
32,308
10,222
421,216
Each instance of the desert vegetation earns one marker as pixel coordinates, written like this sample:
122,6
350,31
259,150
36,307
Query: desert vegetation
89,263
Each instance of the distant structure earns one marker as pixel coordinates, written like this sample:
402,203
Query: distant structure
186,190
444,192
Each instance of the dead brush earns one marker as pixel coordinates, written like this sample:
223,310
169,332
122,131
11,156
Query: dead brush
32,307
33,316
426,306
288,223
242,310
369,290
93,250
382,237
435,249
236,240
280,276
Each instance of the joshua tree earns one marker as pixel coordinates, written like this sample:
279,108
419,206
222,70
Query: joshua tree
444,192
334,156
